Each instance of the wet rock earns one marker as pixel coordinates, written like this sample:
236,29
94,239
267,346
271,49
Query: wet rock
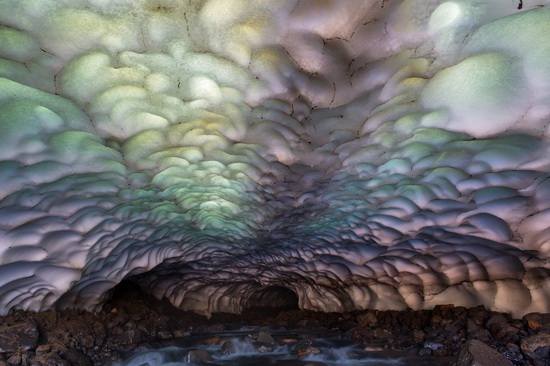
198,355
537,348
508,333
381,333
202,328
373,348
20,337
532,343
496,323
537,322
368,319
212,340
164,333
56,360
145,346
479,315
76,358
99,332
289,340
87,342
114,331
130,325
43,349
263,348
445,310
14,359
404,343
359,335
180,333
60,347
438,349
81,330
216,328
309,323
265,338
475,331
426,351
513,353
47,318
451,329
307,336
303,352
476,353
249,338
433,345
345,316
418,336
227,347
128,337
117,321
472,326
436,321
460,313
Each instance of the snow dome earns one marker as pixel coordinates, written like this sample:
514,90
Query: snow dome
229,153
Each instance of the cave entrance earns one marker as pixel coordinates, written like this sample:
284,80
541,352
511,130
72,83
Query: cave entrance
273,297
126,290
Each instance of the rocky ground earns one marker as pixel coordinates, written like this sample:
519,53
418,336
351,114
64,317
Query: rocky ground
133,321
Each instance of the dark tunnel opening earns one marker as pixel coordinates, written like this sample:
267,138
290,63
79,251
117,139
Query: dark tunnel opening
126,290
274,297
263,301
129,295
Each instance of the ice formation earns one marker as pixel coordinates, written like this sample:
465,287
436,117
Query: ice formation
234,153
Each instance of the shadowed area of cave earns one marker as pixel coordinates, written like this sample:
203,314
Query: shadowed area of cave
273,296
125,290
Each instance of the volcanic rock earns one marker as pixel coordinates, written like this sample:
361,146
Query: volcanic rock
198,355
537,322
265,338
303,352
20,337
537,348
367,319
476,353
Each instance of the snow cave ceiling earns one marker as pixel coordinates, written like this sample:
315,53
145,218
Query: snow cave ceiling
359,153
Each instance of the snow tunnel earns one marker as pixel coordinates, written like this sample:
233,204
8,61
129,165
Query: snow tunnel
225,154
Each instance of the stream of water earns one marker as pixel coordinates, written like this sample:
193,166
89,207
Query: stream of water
244,351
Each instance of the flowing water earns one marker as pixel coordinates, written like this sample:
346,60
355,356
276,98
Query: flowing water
333,350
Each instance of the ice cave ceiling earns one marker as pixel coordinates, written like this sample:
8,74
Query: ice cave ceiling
230,153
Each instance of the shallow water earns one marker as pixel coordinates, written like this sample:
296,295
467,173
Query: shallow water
333,351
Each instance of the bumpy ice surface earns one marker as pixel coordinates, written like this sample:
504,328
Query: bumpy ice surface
232,153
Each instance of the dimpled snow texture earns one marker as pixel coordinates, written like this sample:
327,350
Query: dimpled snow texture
361,154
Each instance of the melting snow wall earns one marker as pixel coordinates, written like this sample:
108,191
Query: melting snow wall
362,154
